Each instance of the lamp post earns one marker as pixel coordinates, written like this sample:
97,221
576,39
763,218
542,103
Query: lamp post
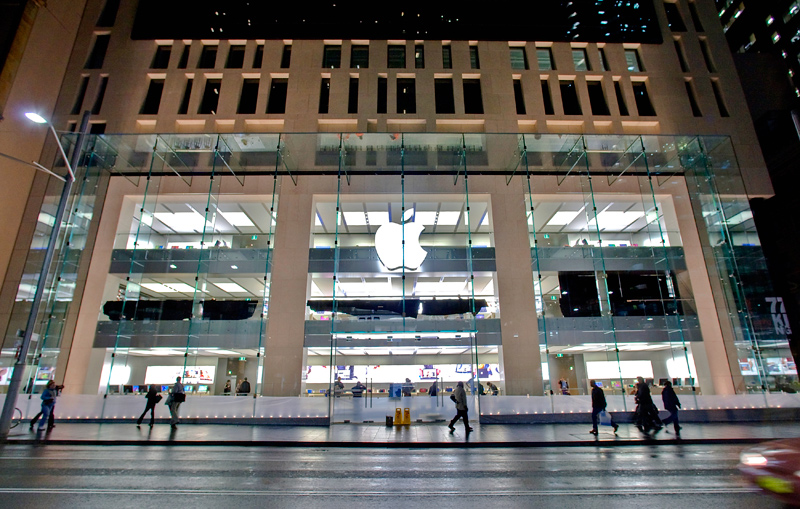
69,179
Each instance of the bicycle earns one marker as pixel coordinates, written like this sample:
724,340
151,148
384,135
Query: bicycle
16,418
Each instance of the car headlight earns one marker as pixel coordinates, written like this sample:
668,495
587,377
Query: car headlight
752,459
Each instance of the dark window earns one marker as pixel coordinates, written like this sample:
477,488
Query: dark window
97,128
324,95
286,56
352,96
109,14
693,100
623,108
210,97
474,58
332,57
76,107
518,58
674,20
183,109
383,86
98,54
706,55
633,61
473,101
519,99
447,57
597,98
276,102
544,57
249,97
547,100
184,61
397,57
258,58
208,58
406,96
359,57
569,98
443,92
681,56
603,62
419,56
161,58
723,110
695,17
580,60
642,98
101,93
235,57
153,98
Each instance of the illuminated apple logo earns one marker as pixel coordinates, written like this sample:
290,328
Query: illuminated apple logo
389,244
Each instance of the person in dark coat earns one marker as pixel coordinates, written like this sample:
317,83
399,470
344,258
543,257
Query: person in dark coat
358,390
434,390
598,405
244,387
671,405
152,397
646,411
459,397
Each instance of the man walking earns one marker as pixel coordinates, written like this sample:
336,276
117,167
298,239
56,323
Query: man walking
671,405
598,405
459,396
152,397
178,396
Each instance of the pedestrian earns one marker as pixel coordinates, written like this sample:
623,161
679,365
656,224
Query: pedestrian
48,403
152,397
244,387
493,389
564,385
598,405
671,405
338,387
227,388
407,387
52,417
358,390
176,397
434,390
459,397
645,408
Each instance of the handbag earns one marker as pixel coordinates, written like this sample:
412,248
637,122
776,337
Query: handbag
158,398
179,397
453,398
604,418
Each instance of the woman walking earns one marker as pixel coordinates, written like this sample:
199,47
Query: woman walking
153,397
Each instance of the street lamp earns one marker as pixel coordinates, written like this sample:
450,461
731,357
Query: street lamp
21,363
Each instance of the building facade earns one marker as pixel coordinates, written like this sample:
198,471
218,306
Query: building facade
400,198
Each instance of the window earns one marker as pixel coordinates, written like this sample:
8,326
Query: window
248,97
258,58
161,58
352,96
601,53
153,98
286,56
723,110
597,98
419,56
473,101
547,100
101,93
76,107
674,20
642,99
519,99
545,59
693,99
580,60
97,128
235,57
447,57
332,57
569,98
324,95
681,56
794,8
474,59
184,61
397,57
706,55
210,100
633,61
183,109
406,96
443,91
276,102
623,108
695,17
382,94
208,58
518,58
109,14
359,57
98,53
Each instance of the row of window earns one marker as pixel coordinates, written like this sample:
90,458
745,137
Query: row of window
675,20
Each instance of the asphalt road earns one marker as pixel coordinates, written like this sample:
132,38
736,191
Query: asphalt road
690,476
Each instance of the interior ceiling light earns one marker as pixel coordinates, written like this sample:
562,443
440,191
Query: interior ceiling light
615,220
184,222
355,218
230,287
169,287
425,217
739,218
237,218
377,218
448,218
563,217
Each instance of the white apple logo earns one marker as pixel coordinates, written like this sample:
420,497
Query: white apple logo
389,244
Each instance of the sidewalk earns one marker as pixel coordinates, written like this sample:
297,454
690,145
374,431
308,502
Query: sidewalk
414,436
